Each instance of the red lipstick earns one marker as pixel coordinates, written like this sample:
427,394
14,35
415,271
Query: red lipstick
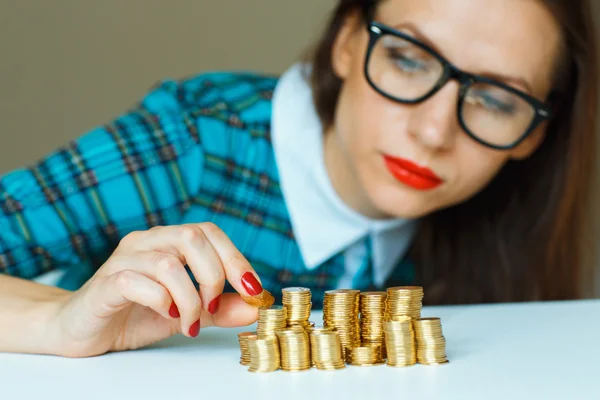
411,174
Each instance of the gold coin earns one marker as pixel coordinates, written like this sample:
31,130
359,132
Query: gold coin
403,301
295,349
340,312
430,341
326,350
263,299
297,300
269,320
243,339
372,309
364,355
400,342
264,355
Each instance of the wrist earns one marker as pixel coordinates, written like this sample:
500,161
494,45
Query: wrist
46,328
42,327
29,316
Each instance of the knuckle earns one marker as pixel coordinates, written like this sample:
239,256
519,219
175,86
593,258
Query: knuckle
124,279
167,262
213,278
196,306
191,233
237,260
191,304
210,227
163,299
130,238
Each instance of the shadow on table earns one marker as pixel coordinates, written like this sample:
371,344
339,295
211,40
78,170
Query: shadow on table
209,338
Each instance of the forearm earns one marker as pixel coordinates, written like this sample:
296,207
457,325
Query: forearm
27,312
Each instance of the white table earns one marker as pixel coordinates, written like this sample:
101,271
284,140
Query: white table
526,351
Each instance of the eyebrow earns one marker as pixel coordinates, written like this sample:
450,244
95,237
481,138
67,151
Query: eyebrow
419,35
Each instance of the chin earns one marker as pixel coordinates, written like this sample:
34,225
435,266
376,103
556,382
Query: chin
397,202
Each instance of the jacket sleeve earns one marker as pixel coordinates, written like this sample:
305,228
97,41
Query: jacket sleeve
72,207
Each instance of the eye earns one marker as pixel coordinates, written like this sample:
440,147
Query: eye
491,102
406,62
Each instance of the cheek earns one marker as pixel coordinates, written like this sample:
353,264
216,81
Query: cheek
477,166
362,114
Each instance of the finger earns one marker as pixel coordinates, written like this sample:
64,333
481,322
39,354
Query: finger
204,248
238,270
234,312
113,293
170,272
190,244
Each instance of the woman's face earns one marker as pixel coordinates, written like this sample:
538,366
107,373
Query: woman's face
374,144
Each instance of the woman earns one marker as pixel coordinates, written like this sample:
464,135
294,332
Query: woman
444,143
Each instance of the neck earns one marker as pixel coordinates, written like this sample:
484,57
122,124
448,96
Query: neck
344,177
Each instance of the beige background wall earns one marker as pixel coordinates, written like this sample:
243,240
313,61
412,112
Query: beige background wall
68,65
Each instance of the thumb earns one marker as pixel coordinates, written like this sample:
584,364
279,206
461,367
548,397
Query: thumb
234,312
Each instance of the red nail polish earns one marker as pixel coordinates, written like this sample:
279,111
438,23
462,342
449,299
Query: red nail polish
251,284
173,311
214,305
195,329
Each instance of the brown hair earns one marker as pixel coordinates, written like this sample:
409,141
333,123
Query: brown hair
527,235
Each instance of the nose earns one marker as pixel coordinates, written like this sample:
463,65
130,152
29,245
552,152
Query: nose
434,122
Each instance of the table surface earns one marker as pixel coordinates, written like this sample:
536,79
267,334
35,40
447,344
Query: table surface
507,351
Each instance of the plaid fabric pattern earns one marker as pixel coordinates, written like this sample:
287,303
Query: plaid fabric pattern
195,150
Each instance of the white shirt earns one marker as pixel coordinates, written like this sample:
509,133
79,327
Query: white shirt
323,225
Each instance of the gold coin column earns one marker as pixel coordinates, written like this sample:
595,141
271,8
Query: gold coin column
270,320
404,301
326,349
372,310
297,301
264,355
400,342
431,343
310,329
295,349
243,338
403,304
340,312
364,356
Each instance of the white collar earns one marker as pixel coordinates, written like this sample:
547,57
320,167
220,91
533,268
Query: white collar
323,225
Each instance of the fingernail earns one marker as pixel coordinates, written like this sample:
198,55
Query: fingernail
214,305
174,311
251,284
195,329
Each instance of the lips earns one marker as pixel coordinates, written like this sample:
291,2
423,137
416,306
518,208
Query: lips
411,174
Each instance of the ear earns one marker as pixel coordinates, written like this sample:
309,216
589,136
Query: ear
531,144
345,45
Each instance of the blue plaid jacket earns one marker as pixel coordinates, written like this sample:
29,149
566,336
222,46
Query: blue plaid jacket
194,150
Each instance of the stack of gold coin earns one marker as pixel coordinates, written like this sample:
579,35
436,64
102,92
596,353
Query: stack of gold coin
431,344
404,301
295,348
400,342
270,320
364,356
372,310
340,311
297,301
264,355
310,329
326,349
245,347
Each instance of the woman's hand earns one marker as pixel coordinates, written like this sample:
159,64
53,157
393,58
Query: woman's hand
143,293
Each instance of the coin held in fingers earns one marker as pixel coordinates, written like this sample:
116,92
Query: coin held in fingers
263,299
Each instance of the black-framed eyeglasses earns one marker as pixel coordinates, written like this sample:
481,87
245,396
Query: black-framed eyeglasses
404,70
